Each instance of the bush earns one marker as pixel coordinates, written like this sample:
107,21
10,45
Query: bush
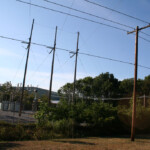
95,119
12,132
142,117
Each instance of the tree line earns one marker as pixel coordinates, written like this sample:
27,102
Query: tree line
106,85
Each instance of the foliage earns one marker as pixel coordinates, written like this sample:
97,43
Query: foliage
147,85
66,116
142,116
11,132
105,86
126,87
90,116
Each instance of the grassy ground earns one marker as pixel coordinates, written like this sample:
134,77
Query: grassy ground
79,144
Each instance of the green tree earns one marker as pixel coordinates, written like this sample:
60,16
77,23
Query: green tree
126,87
146,87
105,85
66,91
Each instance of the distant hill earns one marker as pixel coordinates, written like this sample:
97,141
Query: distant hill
41,92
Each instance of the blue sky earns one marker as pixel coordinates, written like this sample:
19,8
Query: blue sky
16,20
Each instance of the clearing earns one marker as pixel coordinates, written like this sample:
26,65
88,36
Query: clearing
79,144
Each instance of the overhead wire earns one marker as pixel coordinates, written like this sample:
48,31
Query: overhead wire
82,65
86,19
97,4
101,57
66,15
144,39
62,66
13,39
25,42
121,14
18,67
145,33
77,10
83,12
61,12
71,51
58,60
120,61
34,55
95,16
46,46
45,58
53,28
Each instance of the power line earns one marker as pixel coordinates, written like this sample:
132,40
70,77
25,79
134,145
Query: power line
117,11
66,18
120,61
66,15
77,10
144,33
25,42
9,38
101,57
86,19
61,12
71,51
50,47
144,39
106,58
82,65
63,65
45,58
18,67
49,27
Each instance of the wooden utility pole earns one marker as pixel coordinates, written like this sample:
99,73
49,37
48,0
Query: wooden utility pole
52,69
144,100
75,71
135,81
25,72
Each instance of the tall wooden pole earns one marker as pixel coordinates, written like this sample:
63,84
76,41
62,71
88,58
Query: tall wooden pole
134,88
144,101
52,68
135,81
75,72
25,72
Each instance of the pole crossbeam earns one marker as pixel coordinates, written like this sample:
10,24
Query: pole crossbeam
139,29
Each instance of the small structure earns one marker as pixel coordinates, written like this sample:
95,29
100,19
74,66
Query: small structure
11,106
17,106
0,106
5,105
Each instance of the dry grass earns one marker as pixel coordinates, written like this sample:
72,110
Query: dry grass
79,144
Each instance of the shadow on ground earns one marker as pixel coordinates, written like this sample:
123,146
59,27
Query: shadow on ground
142,136
5,145
76,142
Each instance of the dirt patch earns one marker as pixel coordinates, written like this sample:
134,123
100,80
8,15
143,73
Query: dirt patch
80,144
